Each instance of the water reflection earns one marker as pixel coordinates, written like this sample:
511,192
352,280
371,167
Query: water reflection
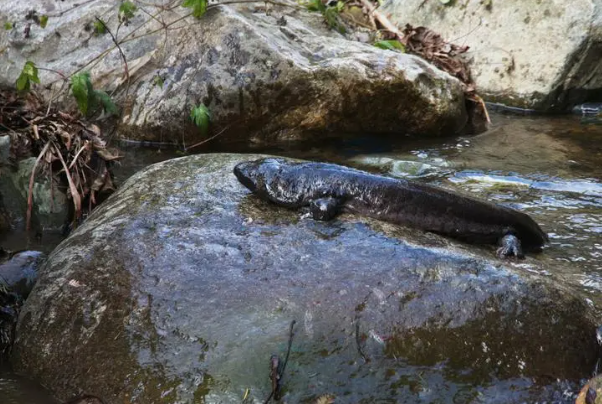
17,390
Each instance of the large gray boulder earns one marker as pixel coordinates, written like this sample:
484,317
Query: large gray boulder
528,54
180,287
279,74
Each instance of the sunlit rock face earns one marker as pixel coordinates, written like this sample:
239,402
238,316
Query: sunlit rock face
263,75
183,284
514,59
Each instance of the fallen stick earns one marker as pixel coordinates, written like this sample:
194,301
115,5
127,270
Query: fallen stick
382,19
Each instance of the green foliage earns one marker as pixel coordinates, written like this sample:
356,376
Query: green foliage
88,99
127,9
391,44
158,81
81,87
331,13
315,5
99,27
8,26
106,102
28,74
199,7
200,116
43,21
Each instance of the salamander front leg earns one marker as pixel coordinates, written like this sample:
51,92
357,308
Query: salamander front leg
324,208
510,246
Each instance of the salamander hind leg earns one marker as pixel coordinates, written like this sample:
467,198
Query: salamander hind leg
324,208
510,246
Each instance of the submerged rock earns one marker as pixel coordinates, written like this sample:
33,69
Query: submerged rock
182,285
281,74
20,272
17,278
526,70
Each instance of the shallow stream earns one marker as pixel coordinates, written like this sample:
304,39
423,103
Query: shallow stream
548,167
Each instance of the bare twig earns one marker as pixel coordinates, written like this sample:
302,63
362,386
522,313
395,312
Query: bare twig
291,335
277,371
477,99
358,341
30,190
207,140
125,62
84,147
54,71
71,9
77,203
382,19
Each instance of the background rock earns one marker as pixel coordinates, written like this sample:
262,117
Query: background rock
50,204
535,55
180,290
20,273
263,75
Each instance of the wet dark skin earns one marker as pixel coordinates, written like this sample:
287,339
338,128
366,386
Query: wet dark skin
330,189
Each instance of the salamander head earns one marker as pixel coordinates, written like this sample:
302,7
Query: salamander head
255,174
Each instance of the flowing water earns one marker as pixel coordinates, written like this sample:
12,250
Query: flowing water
549,167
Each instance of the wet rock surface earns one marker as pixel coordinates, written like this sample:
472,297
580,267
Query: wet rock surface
181,290
525,70
20,272
281,74
18,275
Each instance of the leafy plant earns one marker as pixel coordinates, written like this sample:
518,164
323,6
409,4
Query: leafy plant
200,116
8,26
88,99
158,81
127,10
28,74
43,21
315,5
199,7
99,27
330,13
391,44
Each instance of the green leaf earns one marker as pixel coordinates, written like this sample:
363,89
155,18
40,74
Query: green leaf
8,26
22,83
158,81
315,5
391,44
107,103
199,7
28,74
80,86
43,21
200,116
332,18
126,11
99,27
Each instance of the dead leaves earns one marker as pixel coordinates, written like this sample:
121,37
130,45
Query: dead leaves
430,46
65,146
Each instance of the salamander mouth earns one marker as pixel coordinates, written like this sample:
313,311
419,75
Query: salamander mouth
243,171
